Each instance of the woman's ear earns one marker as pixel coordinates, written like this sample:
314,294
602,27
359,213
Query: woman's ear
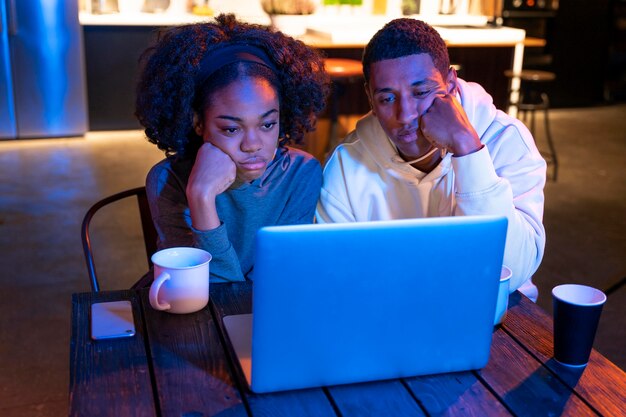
198,127
451,80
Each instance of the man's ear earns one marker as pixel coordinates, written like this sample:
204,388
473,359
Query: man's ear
369,97
198,127
451,80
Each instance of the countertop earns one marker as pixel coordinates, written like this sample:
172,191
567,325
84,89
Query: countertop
337,30
155,19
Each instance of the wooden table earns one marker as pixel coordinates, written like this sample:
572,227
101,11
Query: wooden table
180,365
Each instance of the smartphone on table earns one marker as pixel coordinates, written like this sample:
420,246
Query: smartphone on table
112,319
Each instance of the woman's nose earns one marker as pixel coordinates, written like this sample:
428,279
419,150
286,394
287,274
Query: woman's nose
251,142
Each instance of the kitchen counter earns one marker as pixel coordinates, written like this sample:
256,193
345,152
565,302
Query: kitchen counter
335,30
339,31
155,19
481,52
169,18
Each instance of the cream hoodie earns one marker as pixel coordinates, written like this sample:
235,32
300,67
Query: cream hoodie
365,179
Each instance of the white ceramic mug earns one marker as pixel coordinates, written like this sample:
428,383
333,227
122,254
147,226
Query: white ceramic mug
181,283
503,295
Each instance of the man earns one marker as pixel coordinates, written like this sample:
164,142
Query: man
435,145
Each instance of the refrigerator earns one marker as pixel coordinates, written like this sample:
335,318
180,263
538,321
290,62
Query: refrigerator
42,73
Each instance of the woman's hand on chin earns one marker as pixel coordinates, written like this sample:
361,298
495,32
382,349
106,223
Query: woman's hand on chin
212,174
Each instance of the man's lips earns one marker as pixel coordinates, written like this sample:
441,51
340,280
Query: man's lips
407,136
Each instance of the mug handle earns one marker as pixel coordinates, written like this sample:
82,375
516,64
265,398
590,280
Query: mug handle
154,292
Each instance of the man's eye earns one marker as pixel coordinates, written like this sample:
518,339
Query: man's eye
420,93
386,99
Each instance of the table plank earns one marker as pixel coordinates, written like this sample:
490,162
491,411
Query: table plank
525,385
190,367
455,394
108,377
385,398
236,298
601,383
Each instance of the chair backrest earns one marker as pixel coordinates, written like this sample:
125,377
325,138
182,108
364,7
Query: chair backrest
149,232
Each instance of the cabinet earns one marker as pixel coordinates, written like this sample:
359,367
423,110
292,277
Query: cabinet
112,64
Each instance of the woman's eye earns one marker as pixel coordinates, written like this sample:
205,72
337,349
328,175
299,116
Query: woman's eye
230,130
268,125
386,99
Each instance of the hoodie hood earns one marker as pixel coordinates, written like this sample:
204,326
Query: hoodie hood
478,106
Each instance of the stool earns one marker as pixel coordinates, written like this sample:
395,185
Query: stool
531,99
342,72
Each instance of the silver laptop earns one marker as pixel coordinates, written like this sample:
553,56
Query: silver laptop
354,302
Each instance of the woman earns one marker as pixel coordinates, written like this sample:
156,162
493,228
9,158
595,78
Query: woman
223,99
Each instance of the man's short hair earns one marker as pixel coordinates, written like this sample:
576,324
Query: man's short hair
403,37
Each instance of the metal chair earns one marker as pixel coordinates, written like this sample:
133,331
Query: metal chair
149,232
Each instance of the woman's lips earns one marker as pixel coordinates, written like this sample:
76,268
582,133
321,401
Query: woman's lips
253,164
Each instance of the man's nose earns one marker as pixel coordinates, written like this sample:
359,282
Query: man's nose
407,110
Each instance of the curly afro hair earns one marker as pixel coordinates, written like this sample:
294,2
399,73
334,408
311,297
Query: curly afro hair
167,96
403,37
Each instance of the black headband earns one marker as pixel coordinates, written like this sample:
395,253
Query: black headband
216,59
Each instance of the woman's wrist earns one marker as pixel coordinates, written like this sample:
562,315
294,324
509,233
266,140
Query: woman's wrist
203,213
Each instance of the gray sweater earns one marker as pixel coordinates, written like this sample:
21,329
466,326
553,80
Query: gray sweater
285,194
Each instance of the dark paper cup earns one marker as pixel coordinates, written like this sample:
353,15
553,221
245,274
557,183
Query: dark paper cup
577,310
